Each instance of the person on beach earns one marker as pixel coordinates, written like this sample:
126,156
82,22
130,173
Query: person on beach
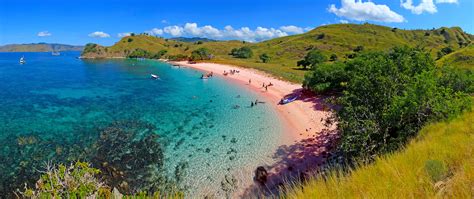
266,88
263,85
251,104
250,81
256,101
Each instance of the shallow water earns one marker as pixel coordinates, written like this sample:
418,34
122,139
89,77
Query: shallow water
59,108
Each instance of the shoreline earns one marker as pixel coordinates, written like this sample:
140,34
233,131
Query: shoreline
307,139
303,118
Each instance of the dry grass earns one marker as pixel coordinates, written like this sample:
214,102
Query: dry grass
409,172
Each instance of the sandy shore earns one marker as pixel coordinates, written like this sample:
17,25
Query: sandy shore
303,117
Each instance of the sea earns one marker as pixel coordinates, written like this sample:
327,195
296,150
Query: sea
176,133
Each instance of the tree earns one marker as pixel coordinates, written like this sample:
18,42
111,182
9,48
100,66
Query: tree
265,58
386,101
312,59
359,49
444,51
132,34
244,52
201,54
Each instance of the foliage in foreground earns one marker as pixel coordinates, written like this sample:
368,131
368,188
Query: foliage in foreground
74,181
388,96
436,164
80,180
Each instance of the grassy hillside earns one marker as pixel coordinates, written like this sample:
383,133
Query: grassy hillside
463,58
339,39
438,163
39,47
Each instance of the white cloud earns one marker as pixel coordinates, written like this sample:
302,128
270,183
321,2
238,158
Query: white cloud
308,29
99,34
244,33
447,1
164,21
155,31
424,6
343,21
365,11
44,34
124,34
174,31
292,29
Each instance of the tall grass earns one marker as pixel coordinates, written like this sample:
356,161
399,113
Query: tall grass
439,163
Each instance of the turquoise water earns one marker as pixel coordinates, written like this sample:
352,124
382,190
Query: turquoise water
178,131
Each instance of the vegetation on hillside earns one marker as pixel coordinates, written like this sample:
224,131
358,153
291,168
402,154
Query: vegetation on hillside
244,52
438,163
463,58
337,41
387,97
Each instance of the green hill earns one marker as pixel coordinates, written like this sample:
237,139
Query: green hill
39,47
437,164
463,58
338,39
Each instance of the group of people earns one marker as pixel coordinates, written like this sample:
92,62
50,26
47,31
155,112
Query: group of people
207,75
266,86
230,72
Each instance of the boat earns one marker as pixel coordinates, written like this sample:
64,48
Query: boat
153,76
55,53
22,60
288,100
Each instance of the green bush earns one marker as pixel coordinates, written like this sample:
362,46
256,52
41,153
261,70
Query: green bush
388,96
77,180
312,59
244,52
201,54
265,58
90,47
178,57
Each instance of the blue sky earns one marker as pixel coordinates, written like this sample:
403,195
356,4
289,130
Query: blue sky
103,22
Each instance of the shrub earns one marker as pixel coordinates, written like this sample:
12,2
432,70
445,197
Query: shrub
130,39
265,58
77,180
333,57
312,59
201,54
90,47
178,57
388,97
358,49
244,52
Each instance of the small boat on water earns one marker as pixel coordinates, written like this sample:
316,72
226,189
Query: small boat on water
55,53
288,100
22,60
153,76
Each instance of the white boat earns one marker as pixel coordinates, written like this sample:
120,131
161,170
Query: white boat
57,53
22,60
153,76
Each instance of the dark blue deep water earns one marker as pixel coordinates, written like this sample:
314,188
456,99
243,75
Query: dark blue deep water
178,131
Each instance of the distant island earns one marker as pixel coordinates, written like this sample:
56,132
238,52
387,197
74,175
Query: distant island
39,47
